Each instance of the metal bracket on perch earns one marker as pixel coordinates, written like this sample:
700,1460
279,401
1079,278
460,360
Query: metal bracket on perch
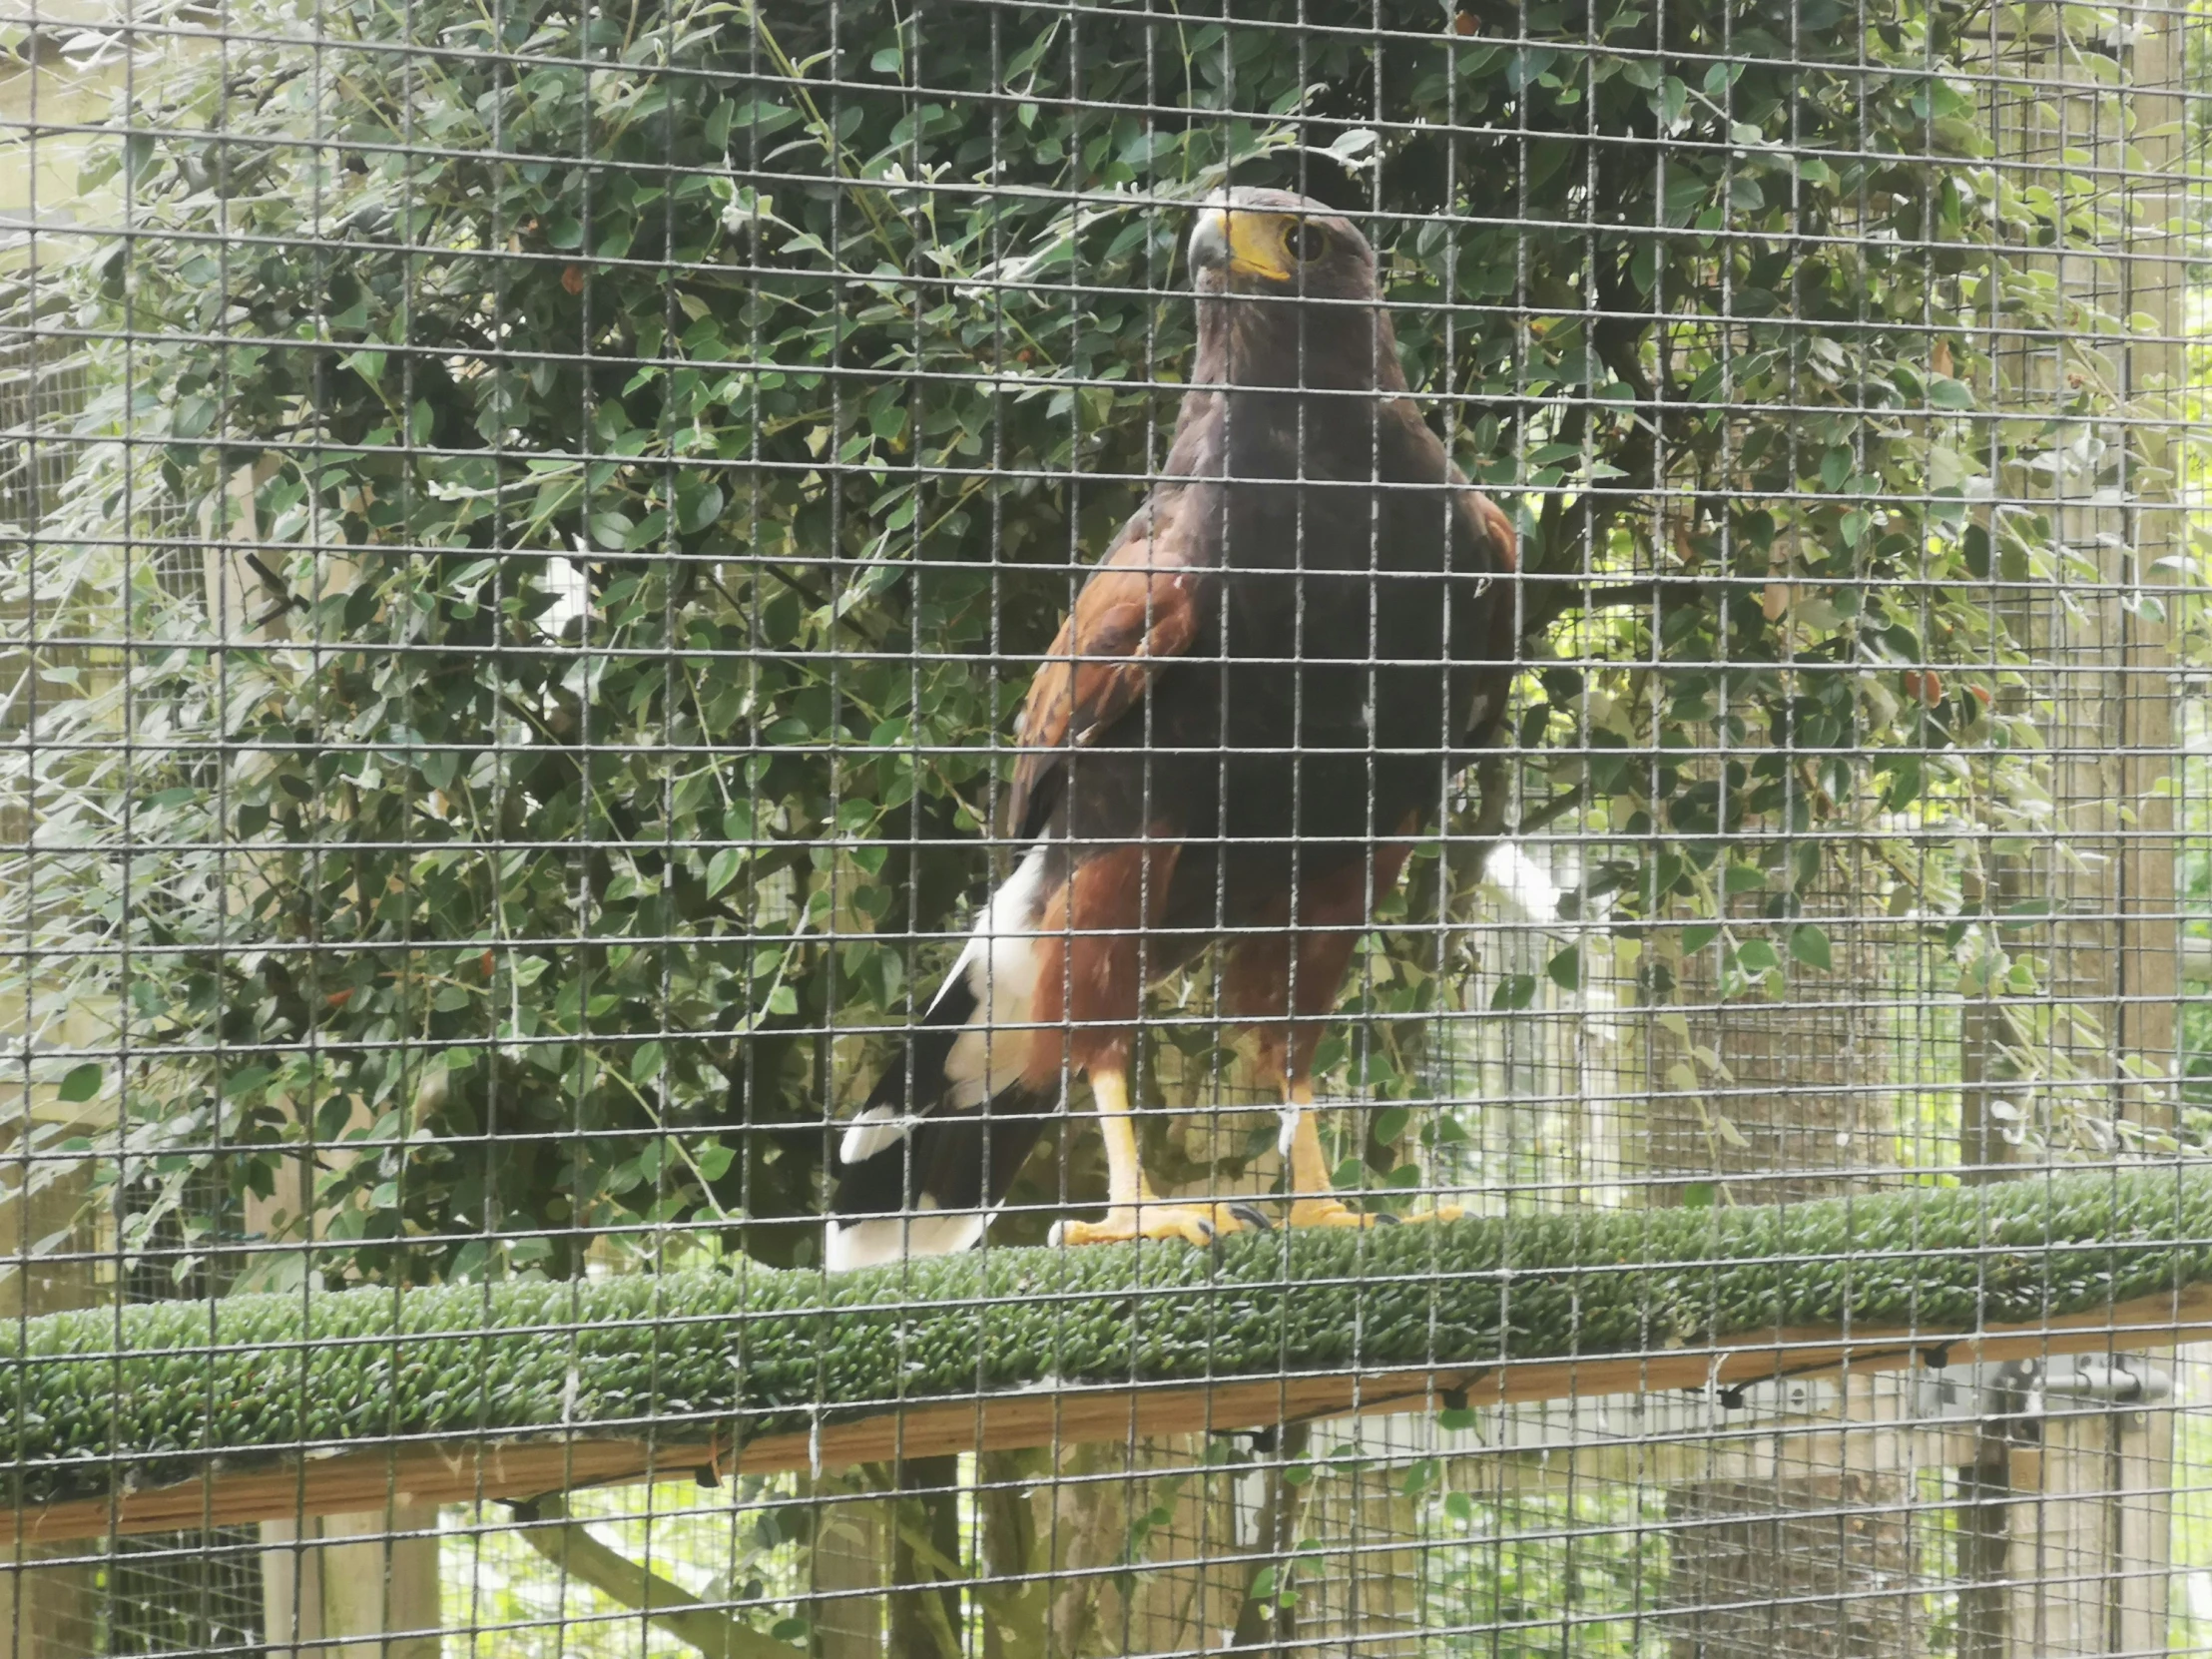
2011,1400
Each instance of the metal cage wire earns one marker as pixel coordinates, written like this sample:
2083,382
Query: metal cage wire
528,530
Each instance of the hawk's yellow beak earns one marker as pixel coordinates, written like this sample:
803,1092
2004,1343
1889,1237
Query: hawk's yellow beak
1245,244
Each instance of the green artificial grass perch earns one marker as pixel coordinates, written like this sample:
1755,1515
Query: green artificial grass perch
150,1394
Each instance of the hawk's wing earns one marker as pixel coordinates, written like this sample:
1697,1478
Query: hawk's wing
1143,606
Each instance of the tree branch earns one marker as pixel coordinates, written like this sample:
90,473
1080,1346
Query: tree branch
1562,802
545,1526
1271,1621
1642,593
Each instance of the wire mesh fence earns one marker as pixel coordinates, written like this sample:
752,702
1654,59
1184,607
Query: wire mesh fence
1042,828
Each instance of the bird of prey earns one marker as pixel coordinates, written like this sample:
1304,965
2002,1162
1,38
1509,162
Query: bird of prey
1257,702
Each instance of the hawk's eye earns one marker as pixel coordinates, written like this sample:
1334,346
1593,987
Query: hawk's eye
1306,241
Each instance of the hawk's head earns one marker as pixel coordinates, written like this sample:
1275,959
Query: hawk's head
1269,243
1286,296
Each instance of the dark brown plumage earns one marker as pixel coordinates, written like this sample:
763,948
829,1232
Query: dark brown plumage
1262,694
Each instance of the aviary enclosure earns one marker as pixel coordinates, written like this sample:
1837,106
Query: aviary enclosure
534,535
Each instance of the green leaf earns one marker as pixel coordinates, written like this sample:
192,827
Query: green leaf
1741,878
246,1080
1756,957
714,1160
1685,195
1810,945
722,867
82,1083
194,416
1515,990
699,506
1566,968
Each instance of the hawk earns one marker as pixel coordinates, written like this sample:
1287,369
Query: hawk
1259,701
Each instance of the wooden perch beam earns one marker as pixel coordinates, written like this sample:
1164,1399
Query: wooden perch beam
459,1472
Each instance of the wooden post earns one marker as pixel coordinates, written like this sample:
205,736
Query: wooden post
346,1587
848,1566
926,1607
343,1586
2086,1570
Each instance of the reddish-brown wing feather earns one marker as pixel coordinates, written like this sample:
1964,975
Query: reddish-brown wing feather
1492,517
1142,607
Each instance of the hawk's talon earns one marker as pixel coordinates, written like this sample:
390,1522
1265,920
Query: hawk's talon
1252,1216
1334,1212
1326,1212
1193,1224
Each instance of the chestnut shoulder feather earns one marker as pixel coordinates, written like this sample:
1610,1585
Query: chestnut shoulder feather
1142,607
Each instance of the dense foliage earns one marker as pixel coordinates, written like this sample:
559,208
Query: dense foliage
652,544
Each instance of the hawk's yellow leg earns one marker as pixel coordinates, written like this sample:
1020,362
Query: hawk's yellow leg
1134,1210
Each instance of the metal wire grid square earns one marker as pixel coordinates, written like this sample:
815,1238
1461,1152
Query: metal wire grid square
343,326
